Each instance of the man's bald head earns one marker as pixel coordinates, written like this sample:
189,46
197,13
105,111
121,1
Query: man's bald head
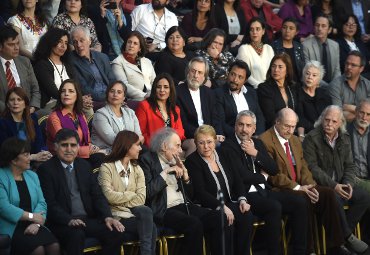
286,122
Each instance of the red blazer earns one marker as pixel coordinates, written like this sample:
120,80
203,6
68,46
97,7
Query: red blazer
150,121
273,21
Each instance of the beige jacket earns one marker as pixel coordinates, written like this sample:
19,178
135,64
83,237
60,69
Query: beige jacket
122,198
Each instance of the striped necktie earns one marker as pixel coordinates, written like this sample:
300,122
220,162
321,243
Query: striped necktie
9,76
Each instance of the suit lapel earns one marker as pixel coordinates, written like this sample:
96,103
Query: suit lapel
113,117
3,81
188,100
61,177
22,73
229,102
316,49
203,102
280,151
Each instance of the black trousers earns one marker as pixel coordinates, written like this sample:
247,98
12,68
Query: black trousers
72,239
202,221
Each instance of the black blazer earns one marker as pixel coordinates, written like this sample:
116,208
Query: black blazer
156,194
238,162
55,188
226,110
188,113
221,22
44,72
343,8
205,188
351,130
271,100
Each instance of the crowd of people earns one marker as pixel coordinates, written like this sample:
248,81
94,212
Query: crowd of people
172,115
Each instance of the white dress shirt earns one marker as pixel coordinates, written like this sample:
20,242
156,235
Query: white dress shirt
195,95
239,99
146,21
13,69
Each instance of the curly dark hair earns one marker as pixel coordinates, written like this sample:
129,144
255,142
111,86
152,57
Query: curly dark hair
263,25
210,37
11,148
48,41
171,101
142,43
210,14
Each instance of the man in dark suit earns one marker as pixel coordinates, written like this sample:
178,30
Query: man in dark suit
235,97
77,207
196,102
295,176
249,157
360,141
16,71
93,70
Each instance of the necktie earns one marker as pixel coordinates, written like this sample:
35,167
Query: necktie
9,76
69,168
324,62
292,171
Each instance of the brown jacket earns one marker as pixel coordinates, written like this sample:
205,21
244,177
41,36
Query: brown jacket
283,179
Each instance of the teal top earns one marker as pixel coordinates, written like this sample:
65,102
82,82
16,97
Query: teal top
10,213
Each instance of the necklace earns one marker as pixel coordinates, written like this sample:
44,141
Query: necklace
34,27
258,47
167,122
56,68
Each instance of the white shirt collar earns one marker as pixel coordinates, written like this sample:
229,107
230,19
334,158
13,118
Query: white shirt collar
242,90
3,61
120,167
282,140
65,165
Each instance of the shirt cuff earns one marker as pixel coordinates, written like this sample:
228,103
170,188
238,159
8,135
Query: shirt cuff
242,198
297,187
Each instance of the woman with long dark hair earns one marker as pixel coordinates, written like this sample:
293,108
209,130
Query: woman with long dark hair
159,109
278,91
30,23
16,121
52,64
68,114
123,184
197,23
256,52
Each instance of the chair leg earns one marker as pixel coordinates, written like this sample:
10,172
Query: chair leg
165,246
283,237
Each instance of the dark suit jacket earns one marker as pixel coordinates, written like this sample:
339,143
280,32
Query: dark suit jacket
222,22
28,82
189,117
283,180
226,110
156,194
8,128
44,72
351,130
57,195
205,187
342,8
84,74
238,162
271,100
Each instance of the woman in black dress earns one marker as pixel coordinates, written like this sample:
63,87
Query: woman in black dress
22,204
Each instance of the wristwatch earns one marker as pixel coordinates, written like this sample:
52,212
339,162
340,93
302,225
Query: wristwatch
30,215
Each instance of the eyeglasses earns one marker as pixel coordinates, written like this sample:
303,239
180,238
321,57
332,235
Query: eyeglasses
350,25
203,143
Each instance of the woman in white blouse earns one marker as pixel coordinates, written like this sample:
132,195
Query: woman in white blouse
133,69
113,117
257,54
30,24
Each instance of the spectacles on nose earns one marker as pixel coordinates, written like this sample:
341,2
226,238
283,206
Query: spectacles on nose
351,25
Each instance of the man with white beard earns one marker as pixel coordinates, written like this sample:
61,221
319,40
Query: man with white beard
360,141
196,102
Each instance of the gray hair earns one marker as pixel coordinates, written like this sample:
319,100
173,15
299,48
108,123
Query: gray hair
198,59
85,30
246,113
160,138
320,120
362,102
315,64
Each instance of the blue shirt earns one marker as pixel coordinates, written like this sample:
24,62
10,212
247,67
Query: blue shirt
357,11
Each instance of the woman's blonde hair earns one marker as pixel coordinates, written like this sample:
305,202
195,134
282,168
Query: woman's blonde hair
205,130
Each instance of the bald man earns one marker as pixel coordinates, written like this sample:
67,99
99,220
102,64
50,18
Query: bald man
295,176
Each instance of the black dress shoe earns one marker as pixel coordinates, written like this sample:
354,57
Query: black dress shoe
341,250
